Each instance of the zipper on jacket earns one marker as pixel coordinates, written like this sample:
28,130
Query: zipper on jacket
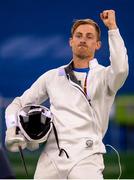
80,89
88,101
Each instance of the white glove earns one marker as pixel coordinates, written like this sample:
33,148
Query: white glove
32,146
14,139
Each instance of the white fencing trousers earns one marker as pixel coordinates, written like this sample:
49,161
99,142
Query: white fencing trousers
90,167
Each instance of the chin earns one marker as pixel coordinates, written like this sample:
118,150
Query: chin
82,56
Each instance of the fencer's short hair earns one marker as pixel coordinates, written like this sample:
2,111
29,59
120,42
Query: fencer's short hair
79,22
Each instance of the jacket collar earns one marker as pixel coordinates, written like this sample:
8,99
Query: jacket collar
70,74
93,63
69,67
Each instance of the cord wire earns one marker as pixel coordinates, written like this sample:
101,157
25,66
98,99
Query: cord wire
119,161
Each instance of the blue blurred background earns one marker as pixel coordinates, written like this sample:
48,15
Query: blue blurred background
34,38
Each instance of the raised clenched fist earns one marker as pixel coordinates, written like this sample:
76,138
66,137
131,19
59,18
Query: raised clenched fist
109,19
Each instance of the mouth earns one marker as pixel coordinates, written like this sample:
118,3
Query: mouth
81,45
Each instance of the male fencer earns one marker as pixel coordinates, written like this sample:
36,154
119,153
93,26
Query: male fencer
81,94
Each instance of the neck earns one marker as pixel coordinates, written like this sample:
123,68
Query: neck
81,63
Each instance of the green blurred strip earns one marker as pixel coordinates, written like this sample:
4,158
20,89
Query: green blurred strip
111,165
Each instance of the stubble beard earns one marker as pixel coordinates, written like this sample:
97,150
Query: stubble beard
82,56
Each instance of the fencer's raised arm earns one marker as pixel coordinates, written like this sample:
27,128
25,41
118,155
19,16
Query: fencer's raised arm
117,72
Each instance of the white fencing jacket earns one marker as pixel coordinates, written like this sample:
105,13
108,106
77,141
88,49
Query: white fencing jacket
81,119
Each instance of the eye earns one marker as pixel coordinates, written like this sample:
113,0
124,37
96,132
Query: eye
78,35
90,37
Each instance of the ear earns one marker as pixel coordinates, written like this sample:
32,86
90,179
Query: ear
98,45
70,41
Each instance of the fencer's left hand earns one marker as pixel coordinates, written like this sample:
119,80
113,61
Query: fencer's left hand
14,138
109,19
32,146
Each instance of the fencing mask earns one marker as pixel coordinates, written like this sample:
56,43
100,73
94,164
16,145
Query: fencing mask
35,123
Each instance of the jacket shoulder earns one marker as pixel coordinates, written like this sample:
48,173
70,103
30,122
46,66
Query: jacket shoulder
54,72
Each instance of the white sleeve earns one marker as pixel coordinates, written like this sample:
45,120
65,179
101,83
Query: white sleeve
11,120
117,72
36,94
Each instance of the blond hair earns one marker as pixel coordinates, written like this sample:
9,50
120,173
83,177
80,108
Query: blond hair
86,21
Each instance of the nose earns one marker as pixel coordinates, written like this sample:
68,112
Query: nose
83,40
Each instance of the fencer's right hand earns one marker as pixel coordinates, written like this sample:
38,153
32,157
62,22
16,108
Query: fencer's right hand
14,139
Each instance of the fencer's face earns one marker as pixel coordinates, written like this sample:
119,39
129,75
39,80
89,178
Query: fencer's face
84,42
